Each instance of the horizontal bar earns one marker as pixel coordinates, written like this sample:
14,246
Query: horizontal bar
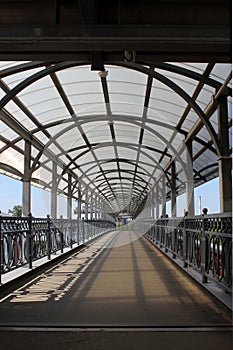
183,41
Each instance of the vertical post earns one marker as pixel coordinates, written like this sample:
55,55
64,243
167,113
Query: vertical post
83,227
199,204
150,212
153,204
189,181
78,231
71,233
100,207
225,164
30,241
157,201
173,189
26,200
86,215
160,233
54,191
184,244
86,205
203,251
48,237
69,198
153,214
96,204
91,206
163,195
91,214
61,233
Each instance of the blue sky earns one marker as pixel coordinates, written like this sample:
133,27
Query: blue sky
11,194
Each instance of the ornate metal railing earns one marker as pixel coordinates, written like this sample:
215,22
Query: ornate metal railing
26,239
203,242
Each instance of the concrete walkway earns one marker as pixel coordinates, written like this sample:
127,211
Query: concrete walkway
120,280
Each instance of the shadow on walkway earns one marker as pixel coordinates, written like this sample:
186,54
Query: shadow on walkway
123,285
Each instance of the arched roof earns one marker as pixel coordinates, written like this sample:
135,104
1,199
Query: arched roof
115,131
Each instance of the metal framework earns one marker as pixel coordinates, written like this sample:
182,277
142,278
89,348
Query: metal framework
25,240
100,116
203,242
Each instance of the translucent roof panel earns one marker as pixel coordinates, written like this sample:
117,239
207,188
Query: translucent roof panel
190,120
126,132
13,158
6,131
195,67
19,115
221,71
114,131
185,83
15,79
168,100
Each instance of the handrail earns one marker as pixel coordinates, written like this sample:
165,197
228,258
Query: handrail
203,242
26,239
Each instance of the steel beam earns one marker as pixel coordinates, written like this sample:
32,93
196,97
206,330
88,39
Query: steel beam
209,42
225,162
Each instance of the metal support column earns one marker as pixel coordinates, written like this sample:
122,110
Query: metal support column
189,181
54,192
79,203
96,204
26,200
157,200
173,189
69,198
91,215
225,165
163,196
153,203
102,210
91,206
86,205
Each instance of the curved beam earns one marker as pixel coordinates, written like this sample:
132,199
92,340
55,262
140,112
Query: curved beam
160,78
134,66
163,66
190,74
20,68
101,118
125,185
11,170
181,93
144,172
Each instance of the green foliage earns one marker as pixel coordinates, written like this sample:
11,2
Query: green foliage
16,211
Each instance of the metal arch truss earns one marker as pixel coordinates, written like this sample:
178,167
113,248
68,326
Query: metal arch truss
126,184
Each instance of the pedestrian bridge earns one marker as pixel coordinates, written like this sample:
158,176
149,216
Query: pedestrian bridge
122,111
117,280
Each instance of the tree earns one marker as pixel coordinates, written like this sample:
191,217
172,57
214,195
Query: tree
16,211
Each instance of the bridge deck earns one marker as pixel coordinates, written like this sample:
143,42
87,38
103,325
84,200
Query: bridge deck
128,283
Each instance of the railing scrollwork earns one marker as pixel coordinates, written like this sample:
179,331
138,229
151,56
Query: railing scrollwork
26,239
203,242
